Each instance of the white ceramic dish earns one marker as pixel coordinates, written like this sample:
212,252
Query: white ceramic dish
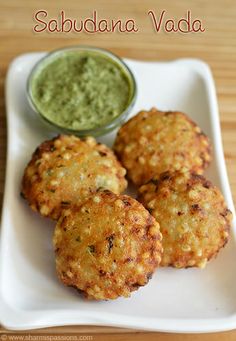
190,300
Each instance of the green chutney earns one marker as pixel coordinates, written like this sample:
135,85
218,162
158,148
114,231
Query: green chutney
80,90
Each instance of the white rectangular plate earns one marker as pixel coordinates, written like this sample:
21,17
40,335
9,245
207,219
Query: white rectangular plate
31,296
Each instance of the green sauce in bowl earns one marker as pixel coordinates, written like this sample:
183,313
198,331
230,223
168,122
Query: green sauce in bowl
82,89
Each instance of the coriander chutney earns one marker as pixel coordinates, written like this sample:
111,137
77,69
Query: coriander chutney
81,90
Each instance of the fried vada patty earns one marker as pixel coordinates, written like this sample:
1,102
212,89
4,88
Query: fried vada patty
193,216
67,170
153,142
107,247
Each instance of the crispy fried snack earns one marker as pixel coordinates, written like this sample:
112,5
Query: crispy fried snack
153,142
67,170
193,216
108,247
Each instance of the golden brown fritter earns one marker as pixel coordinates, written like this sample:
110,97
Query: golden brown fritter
67,170
108,247
193,216
153,142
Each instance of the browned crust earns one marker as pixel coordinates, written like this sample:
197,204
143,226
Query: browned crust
57,175
124,240
193,216
161,141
